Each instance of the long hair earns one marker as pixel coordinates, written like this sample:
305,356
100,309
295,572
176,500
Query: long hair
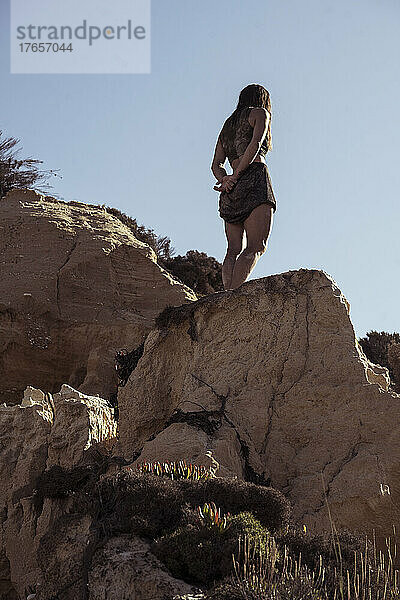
257,96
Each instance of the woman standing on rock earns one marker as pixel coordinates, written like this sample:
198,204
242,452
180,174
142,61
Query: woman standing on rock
246,201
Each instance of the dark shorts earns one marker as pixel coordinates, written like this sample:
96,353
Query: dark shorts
253,188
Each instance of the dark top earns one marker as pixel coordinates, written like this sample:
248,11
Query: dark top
236,139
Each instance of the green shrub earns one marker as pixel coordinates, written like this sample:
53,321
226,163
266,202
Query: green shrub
355,571
57,482
157,503
143,504
297,588
149,505
190,553
20,173
375,346
196,269
201,555
268,505
211,516
164,509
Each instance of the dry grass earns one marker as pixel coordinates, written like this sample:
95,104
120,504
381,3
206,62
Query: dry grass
276,575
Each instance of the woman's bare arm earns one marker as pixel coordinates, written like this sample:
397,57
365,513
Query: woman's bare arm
217,165
259,132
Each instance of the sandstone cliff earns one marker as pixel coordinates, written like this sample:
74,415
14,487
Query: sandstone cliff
75,286
67,430
41,432
270,377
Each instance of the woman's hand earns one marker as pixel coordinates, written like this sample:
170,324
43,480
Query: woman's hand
227,184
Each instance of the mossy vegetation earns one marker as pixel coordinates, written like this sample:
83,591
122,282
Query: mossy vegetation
149,505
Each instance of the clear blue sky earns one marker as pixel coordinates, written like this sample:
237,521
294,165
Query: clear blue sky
144,143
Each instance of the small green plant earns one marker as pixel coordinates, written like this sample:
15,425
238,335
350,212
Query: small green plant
203,554
267,505
211,516
177,470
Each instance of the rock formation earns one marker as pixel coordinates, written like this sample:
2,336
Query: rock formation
61,430
43,431
270,377
75,286
126,569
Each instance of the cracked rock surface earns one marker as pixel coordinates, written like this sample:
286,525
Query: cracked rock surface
43,431
270,377
46,548
76,286
126,569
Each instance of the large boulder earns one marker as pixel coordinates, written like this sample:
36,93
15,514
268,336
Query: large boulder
76,285
270,378
122,568
125,569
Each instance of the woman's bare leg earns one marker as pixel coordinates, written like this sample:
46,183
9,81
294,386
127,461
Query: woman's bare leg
234,235
258,227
